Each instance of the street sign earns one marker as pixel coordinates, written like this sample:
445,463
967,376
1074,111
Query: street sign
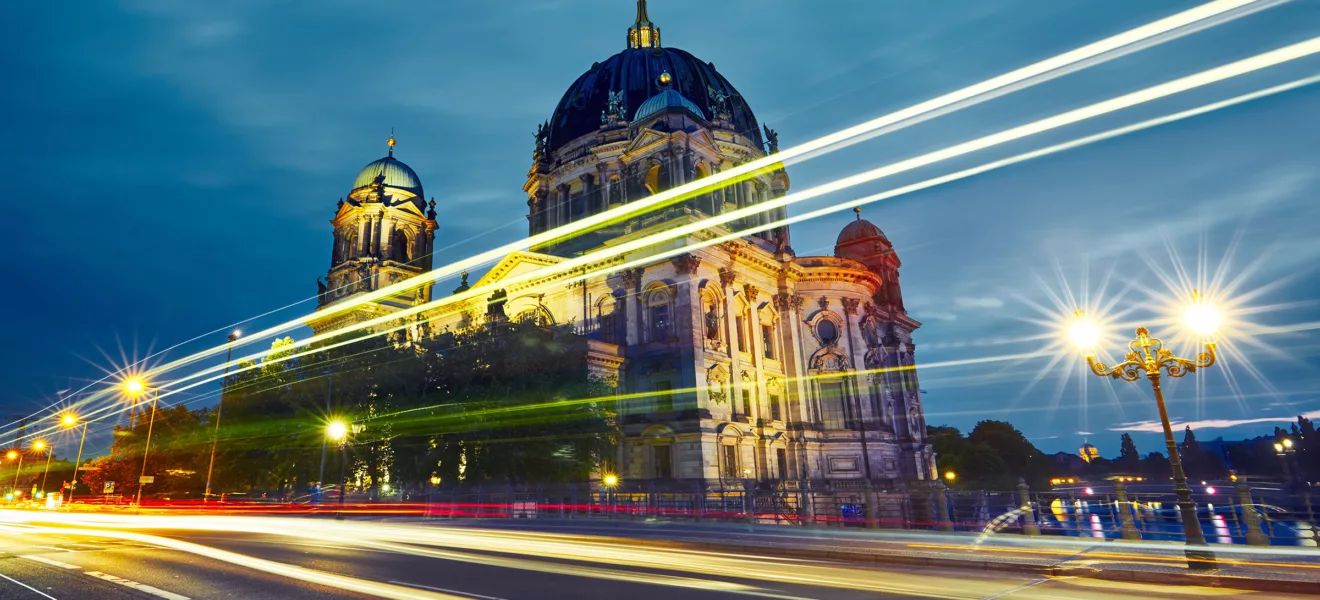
147,479
108,488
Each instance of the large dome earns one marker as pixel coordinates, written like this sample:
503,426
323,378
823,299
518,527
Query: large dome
634,72
397,175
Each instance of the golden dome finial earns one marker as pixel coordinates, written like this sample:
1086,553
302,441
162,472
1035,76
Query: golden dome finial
858,210
390,142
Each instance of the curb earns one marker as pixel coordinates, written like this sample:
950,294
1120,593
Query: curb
1126,575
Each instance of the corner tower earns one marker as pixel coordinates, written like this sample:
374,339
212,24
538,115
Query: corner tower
384,232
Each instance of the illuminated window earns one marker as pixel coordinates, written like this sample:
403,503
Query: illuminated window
781,462
730,460
747,403
775,415
768,341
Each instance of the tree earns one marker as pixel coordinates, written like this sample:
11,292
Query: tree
1128,457
1019,454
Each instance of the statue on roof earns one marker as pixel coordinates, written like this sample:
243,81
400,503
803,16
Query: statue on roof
616,107
719,107
771,138
542,140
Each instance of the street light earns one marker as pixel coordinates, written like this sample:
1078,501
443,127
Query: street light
39,446
12,455
215,436
337,432
134,387
70,420
950,475
1148,357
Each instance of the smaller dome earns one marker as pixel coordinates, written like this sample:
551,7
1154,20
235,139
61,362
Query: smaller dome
663,101
397,175
861,229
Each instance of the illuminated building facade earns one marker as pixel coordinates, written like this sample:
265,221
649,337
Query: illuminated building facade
753,363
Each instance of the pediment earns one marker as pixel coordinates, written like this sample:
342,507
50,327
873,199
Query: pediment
516,264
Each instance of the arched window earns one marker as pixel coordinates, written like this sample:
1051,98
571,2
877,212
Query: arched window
659,315
400,251
606,321
652,180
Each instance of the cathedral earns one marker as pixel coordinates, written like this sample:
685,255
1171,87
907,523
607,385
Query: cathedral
744,362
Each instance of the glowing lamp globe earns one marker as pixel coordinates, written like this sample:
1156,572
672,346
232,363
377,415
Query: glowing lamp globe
1202,318
12,455
1085,335
1287,443
134,386
337,431
38,445
610,480
69,420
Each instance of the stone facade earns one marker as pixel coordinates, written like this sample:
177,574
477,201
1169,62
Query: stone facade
735,361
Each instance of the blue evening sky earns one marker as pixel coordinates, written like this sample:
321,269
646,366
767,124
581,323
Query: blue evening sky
170,168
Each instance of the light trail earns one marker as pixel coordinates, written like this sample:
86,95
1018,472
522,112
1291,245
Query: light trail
576,553
1248,65
1152,33
1197,80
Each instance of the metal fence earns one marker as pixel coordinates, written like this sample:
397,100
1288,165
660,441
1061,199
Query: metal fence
1232,515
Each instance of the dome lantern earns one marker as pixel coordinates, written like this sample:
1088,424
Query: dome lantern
643,33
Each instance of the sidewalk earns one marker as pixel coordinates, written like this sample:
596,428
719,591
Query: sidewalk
1275,569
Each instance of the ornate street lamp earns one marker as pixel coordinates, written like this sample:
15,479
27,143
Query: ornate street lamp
1148,356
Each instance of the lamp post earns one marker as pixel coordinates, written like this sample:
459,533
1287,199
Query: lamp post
215,436
1285,452
71,420
135,387
12,455
337,432
1147,356
40,446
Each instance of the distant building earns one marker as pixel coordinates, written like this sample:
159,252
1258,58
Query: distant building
1088,452
754,363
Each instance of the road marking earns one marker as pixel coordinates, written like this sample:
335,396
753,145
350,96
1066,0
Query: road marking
141,587
53,563
55,548
1017,589
443,590
34,590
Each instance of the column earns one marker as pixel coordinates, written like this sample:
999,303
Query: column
387,240
361,245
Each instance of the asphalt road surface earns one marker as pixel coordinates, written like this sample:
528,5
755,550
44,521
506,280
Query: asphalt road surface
310,558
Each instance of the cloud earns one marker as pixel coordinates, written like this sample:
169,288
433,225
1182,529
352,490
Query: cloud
986,302
1048,437
1155,427
1084,433
937,316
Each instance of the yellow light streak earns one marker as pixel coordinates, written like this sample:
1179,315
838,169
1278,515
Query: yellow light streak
814,214
1248,65
1149,34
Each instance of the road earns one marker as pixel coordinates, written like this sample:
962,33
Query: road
185,557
